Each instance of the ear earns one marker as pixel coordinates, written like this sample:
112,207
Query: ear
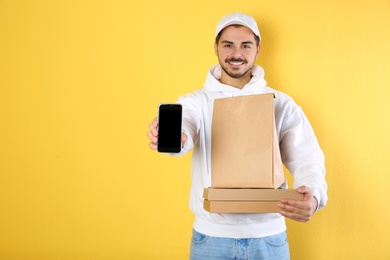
216,49
258,51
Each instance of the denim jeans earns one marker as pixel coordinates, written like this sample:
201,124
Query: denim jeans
209,248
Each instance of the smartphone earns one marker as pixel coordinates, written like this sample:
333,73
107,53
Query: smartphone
169,128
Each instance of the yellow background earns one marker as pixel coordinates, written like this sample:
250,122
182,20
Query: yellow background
80,81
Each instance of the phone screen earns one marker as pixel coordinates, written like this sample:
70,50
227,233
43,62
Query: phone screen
169,128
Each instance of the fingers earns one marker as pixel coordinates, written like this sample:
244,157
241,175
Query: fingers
153,125
299,210
152,134
295,210
152,146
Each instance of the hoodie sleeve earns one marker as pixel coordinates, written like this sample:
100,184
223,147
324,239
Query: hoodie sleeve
302,155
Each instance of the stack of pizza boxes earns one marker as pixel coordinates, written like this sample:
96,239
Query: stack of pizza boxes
246,166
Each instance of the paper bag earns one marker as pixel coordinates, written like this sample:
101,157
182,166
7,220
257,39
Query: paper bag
245,148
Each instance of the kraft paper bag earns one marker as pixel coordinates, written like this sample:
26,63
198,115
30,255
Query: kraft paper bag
245,148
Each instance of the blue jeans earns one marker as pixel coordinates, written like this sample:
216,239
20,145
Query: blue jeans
209,248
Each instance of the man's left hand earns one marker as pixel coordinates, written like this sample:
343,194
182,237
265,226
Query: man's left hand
299,210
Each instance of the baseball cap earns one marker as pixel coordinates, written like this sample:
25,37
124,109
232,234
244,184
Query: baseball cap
240,19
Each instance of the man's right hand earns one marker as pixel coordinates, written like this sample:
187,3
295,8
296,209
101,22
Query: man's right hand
153,135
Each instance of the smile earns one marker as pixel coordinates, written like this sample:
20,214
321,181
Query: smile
236,63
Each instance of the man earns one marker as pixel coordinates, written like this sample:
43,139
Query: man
240,236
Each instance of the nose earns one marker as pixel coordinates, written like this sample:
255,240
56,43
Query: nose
236,53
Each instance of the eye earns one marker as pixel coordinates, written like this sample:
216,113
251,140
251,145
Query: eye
246,46
227,45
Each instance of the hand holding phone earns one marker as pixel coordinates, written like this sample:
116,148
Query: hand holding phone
170,128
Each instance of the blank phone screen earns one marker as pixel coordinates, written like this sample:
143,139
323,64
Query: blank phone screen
169,128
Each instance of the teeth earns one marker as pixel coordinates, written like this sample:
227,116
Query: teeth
236,63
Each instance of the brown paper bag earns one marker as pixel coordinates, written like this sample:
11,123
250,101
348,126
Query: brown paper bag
245,148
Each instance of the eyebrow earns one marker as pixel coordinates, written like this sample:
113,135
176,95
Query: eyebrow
246,42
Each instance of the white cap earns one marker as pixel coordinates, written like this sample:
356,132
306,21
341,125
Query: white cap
238,18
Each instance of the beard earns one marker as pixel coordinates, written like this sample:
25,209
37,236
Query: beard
232,74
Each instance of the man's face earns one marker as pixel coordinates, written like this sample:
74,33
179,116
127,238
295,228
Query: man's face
237,51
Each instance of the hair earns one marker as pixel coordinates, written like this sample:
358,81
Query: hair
257,38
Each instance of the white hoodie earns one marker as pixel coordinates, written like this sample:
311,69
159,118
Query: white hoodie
299,149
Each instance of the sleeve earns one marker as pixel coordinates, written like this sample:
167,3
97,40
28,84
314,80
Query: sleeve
302,155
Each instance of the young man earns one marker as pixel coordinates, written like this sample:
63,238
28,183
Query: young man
246,236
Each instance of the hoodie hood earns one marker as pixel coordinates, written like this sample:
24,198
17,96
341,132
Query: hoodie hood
214,87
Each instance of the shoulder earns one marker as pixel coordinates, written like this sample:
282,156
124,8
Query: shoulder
285,103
